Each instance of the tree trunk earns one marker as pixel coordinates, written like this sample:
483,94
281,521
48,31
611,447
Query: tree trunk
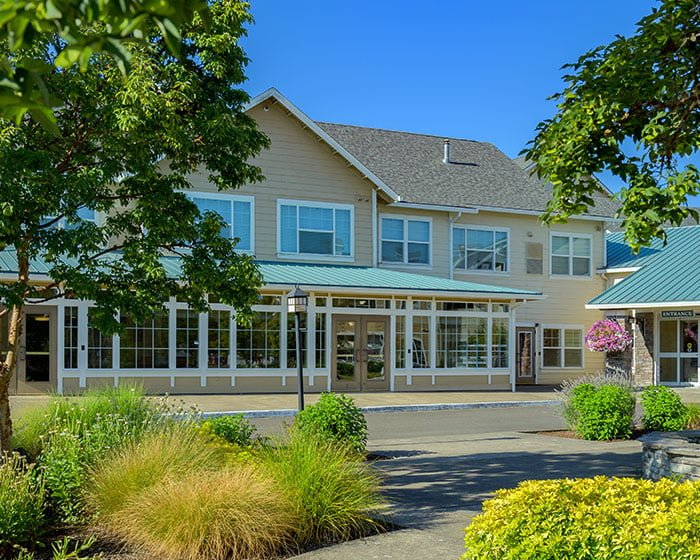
7,368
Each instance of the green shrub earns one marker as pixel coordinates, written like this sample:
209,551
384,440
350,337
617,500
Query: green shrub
663,409
234,429
588,519
22,500
602,413
567,409
335,417
334,493
693,416
230,513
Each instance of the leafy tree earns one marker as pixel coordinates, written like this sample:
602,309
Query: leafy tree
632,108
127,149
24,23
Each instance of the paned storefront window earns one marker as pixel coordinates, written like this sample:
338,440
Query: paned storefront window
99,349
258,346
462,342
400,350
144,345
187,339
70,338
321,353
499,343
678,348
421,341
219,339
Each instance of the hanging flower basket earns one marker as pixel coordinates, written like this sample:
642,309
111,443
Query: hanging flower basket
607,336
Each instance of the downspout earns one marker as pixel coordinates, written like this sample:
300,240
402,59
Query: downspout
449,252
374,228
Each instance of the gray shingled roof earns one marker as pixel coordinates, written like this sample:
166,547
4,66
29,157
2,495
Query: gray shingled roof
479,173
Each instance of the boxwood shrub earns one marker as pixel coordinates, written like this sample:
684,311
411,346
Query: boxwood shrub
604,412
588,519
663,409
336,418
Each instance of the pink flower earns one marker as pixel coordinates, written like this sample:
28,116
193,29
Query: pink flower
607,336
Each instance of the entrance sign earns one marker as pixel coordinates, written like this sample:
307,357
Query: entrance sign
676,314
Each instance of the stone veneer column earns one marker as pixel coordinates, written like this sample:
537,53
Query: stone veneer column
643,370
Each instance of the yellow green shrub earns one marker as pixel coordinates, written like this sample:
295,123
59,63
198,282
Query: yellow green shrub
589,518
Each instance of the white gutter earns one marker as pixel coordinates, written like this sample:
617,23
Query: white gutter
436,207
655,305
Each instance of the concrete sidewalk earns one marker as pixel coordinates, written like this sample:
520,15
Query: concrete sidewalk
285,404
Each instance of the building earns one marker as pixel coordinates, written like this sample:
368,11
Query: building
425,261
657,294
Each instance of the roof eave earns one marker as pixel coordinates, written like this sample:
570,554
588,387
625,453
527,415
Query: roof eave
644,305
273,93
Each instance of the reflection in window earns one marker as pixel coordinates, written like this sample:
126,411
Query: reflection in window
258,346
144,345
400,342
219,338
315,229
187,339
479,249
462,342
421,341
99,355
236,212
570,255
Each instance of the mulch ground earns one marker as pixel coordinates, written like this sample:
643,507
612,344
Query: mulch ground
636,433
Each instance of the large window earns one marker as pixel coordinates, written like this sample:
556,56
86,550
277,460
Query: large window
99,350
258,346
219,338
315,229
187,339
236,211
70,338
479,249
562,348
405,241
678,351
144,345
570,254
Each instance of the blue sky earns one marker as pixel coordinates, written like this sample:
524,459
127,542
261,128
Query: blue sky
463,69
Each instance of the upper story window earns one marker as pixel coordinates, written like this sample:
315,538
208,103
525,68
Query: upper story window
83,214
313,228
237,211
570,254
480,249
405,240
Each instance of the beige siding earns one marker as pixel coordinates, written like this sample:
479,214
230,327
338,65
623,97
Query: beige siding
299,166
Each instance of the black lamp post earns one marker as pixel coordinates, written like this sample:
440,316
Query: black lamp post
297,302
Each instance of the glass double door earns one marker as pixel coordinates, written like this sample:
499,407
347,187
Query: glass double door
360,360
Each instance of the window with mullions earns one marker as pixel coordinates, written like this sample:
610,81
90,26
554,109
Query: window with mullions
99,348
70,338
562,348
421,341
83,214
405,241
499,343
258,345
292,339
315,229
479,249
570,255
144,345
400,355
219,352
321,340
236,211
187,339
462,342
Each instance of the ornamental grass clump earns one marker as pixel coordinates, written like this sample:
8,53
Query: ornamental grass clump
663,409
22,503
334,493
588,519
231,513
607,336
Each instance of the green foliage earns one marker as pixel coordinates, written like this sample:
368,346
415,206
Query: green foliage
604,412
234,429
78,432
569,411
22,499
335,417
588,519
66,549
333,492
630,109
693,416
663,409
25,22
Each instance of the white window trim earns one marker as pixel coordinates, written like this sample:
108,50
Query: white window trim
465,270
406,219
231,198
571,237
313,204
561,329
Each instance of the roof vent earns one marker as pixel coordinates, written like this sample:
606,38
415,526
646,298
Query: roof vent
446,156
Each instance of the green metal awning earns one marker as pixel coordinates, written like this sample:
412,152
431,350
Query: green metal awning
669,276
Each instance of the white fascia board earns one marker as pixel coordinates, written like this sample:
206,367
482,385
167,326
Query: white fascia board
617,270
387,292
272,92
587,217
436,207
655,305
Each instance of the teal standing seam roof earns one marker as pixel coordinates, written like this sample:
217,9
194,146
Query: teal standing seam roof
328,276
671,275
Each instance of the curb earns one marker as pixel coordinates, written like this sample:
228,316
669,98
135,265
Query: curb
286,412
